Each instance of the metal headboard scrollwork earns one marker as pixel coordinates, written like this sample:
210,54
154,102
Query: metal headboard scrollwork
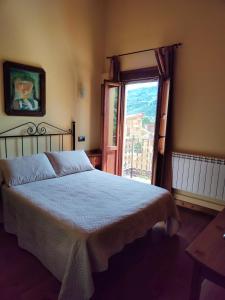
35,131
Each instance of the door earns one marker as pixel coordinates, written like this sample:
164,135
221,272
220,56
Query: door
140,113
111,127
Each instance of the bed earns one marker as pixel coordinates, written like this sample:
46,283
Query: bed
75,221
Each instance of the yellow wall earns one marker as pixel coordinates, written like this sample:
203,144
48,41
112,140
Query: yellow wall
199,104
65,38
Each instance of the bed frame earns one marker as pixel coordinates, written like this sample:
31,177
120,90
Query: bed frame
35,131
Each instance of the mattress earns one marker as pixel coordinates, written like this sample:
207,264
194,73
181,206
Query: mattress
75,223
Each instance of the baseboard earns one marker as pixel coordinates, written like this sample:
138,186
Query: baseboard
194,202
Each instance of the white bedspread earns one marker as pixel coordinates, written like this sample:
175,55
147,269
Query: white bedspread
73,224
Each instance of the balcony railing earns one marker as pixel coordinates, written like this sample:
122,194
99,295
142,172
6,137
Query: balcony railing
137,158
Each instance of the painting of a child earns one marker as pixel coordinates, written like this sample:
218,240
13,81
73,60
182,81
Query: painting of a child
24,95
24,90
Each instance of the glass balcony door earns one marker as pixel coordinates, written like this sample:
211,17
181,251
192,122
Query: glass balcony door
111,127
139,129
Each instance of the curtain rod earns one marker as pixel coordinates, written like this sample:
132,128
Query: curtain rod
151,49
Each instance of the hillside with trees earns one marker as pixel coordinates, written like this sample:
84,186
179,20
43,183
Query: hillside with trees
143,100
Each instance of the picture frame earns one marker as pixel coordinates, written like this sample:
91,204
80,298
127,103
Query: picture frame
24,89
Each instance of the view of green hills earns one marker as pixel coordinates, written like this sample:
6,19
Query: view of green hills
142,100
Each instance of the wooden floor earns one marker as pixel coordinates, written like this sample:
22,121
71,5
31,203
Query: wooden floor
155,267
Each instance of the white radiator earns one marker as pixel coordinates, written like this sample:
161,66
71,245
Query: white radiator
200,175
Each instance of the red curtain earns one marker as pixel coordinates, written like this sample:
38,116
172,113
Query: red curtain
162,165
115,69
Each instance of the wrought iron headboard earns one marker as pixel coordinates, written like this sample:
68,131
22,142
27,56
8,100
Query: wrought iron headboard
34,131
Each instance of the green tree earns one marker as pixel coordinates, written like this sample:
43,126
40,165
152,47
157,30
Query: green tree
138,147
145,121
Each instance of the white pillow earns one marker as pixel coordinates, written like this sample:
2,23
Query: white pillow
69,162
26,169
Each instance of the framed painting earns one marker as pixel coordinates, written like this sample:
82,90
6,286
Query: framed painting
24,89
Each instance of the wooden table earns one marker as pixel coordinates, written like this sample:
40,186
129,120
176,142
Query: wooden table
208,253
95,157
